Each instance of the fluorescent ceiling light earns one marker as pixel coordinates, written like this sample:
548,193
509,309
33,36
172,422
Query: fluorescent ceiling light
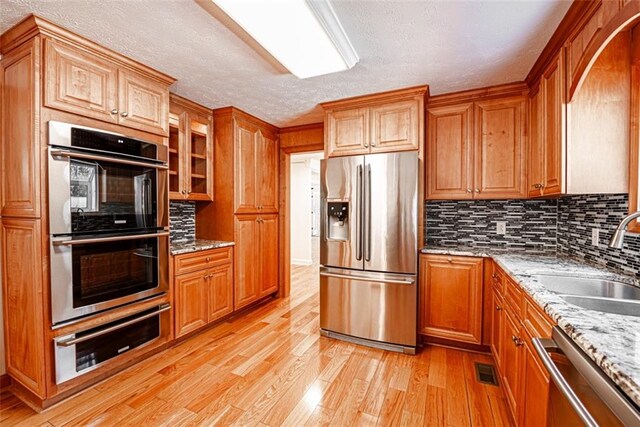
306,37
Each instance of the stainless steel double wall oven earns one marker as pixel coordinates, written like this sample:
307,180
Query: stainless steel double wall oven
109,241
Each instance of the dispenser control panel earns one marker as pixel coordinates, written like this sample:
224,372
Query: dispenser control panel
338,216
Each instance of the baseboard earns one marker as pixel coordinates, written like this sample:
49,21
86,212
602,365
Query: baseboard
299,261
5,381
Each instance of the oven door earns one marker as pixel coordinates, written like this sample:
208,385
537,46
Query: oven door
83,351
93,274
91,194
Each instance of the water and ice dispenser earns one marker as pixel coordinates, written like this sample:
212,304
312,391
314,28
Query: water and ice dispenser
338,213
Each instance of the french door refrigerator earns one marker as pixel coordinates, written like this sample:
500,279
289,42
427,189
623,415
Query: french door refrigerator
368,249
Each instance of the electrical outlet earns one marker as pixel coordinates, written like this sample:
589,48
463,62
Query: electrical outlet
501,227
595,236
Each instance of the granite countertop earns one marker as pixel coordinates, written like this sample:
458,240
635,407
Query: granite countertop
178,248
612,341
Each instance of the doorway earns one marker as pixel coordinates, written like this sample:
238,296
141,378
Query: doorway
304,184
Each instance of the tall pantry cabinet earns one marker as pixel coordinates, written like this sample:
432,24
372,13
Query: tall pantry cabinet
246,205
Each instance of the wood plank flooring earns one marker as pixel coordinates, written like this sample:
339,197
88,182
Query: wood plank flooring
272,368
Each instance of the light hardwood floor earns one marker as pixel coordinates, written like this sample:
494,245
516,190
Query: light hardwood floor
272,368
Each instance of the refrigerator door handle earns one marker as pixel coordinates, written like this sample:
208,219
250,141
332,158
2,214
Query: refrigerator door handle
359,214
367,214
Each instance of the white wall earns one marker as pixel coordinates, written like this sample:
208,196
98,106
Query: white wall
300,211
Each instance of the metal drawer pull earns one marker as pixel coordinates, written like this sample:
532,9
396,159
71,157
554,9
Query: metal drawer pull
57,152
69,242
73,341
560,382
365,279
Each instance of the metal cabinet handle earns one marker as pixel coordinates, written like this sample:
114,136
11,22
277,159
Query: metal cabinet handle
513,338
73,341
498,308
124,114
518,342
494,276
205,277
208,258
114,111
469,190
477,190
449,260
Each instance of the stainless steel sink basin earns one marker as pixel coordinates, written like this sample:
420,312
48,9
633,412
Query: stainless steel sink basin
589,287
615,306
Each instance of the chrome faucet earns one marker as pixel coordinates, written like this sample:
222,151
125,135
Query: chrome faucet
618,236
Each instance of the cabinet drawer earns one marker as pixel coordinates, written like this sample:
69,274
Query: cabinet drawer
513,297
497,279
202,260
536,322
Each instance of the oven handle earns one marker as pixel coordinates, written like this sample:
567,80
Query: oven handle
542,346
57,152
68,242
74,341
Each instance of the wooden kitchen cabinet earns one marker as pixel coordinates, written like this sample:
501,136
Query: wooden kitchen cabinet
511,360
534,393
190,151
203,288
81,82
497,307
257,261
450,152
499,148
256,169
476,145
380,123
451,290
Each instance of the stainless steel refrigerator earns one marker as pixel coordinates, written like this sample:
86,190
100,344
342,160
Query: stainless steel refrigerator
368,249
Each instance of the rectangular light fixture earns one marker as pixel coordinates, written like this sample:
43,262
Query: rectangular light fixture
304,36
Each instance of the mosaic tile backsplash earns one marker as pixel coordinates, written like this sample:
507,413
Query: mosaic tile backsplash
561,226
182,219
531,224
578,215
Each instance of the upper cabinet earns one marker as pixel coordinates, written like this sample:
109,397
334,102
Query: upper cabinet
634,149
382,123
190,151
80,81
476,144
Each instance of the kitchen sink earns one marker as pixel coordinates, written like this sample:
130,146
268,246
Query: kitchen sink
568,285
614,306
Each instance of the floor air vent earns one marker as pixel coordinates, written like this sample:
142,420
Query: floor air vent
486,374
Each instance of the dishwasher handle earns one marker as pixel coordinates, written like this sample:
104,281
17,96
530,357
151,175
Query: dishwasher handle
542,346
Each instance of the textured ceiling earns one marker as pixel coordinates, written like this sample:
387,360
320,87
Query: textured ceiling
450,45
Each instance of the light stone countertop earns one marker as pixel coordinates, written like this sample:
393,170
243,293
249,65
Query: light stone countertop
179,248
612,341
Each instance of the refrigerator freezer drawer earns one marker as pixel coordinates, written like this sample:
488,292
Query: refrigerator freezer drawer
374,306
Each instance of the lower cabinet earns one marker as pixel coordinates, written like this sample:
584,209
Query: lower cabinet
451,290
534,395
511,359
204,295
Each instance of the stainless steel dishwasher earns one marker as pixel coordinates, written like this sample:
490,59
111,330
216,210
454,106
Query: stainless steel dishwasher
580,393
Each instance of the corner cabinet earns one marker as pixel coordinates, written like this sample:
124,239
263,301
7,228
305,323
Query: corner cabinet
476,146
451,291
247,202
83,82
190,151
382,123
203,285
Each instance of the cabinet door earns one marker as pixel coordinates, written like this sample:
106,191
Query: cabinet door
347,132
199,151
396,126
449,152
451,302
246,175
534,397
499,159
79,82
496,326
20,140
510,365
191,301
177,161
143,103
23,302
535,173
247,260
268,280
554,133
268,157
220,291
